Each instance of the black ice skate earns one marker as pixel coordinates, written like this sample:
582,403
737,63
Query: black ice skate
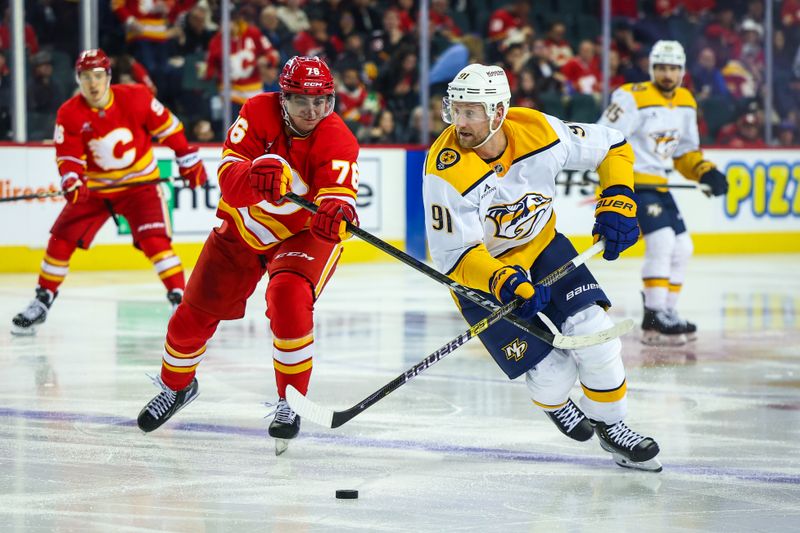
285,426
175,297
687,328
571,421
629,449
659,328
165,404
36,313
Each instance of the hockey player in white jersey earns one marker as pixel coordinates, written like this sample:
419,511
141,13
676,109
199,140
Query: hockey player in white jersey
488,192
659,119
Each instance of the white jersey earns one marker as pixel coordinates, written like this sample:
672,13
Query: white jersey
506,203
659,130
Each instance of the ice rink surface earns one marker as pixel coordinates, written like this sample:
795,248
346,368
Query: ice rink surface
459,448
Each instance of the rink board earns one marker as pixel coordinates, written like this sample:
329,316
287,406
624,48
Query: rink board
760,213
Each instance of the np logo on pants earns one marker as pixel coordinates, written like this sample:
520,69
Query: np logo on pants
515,350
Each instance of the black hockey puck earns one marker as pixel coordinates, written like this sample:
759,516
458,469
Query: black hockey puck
347,494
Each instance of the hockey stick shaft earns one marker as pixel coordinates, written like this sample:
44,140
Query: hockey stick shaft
644,186
432,273
333,419
52,194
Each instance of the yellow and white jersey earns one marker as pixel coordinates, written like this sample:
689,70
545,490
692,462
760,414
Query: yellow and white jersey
481,214
658,129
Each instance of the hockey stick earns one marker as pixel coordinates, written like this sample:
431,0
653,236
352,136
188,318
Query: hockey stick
558,341
51,194
333,419
705,189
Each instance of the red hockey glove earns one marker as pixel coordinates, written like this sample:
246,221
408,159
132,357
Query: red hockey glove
74,187
329,223
269,178
190,167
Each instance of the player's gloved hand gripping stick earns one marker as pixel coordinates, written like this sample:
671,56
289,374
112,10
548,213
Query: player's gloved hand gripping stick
554,339
333,419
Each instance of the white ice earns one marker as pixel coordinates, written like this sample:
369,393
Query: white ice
459,448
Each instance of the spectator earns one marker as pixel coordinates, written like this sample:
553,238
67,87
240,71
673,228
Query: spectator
617,79
559,48
275,31
125,69
399,83
740,81
722,35
746,132
441,22
353,54
384,129
196,33
624,43
383,43
49,20
293,17
44,96
526,94
515,56
545,72
786,133
268,71
248,47
583,71
408,15
351,93
202,132
367,18
31,42
316,41
512,18
707,78
638,71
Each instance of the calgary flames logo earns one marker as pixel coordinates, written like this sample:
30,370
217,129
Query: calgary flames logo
666,142
517,220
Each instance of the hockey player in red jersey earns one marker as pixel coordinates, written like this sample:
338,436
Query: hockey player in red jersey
286,141
103,138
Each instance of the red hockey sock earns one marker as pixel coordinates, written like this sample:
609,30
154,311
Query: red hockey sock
290,309
167,264
55,264
189,330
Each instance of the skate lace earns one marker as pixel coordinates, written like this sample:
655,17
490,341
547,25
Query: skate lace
34,310
624,436
165,399
675,317
668,319
569,416
283,413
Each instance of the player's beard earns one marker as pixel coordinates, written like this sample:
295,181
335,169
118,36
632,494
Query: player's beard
664,88
471,141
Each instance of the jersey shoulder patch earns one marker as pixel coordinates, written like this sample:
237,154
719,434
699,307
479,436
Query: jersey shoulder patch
462,169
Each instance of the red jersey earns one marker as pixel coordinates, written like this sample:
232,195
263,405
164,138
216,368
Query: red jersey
154,16
323,166
113,145
246,49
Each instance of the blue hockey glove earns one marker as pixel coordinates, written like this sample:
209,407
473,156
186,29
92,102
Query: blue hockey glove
716,180
511,282
615,219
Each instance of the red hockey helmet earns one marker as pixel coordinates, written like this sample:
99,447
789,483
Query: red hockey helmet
306,75
93,59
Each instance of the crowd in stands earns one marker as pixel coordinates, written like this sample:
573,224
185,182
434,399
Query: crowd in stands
549,48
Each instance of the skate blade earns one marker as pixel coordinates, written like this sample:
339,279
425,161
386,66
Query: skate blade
281,445
651,465
23,332
659,339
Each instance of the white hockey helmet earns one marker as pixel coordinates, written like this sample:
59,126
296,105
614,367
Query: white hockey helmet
479,84
667,53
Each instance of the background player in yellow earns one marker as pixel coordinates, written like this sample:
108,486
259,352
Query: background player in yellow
488,192
659,119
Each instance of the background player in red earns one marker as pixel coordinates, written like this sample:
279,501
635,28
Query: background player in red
103,137
286,141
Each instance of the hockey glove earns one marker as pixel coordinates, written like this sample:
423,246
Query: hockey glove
191,168
269,178
329,223
511,282
74,187
716,180
615,219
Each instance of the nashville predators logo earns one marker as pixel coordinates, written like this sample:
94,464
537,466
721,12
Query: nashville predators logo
654,210
447,158
665,142
516,350
517,220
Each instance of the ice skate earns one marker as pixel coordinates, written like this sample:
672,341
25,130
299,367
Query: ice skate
284,427
661,329
175,297
628,448
571,421
689,329
165,404
26,322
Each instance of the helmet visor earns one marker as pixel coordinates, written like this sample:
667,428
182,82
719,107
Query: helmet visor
465,112
309,107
